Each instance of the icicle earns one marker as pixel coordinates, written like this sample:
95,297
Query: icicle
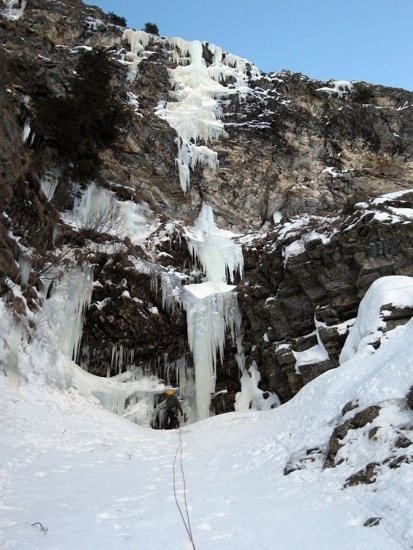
171,286
138,41
26,132
185,377
122,359
184,175
66,308
179,44
114,358
211,306
80,295
208,320
25,267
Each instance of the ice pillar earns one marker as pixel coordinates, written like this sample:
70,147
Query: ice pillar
211,306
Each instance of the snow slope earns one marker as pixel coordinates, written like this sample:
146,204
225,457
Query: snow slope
74,475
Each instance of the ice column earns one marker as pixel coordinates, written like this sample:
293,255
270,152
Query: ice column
209,318
211,306
66,307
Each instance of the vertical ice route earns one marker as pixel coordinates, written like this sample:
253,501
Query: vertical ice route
211,306
194,111
66,307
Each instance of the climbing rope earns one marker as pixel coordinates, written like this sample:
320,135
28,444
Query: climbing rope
186,520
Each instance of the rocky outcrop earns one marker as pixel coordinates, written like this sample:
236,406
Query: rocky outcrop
303,290
386,446
293,150
359,420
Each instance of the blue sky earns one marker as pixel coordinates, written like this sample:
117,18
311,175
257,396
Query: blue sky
370,40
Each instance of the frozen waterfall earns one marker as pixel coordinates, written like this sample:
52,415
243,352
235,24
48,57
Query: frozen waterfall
194,111
220,257
194,114
65,309
211,306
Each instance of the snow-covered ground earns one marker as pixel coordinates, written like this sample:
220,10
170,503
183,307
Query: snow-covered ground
74,475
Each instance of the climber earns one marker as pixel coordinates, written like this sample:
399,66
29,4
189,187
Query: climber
173,408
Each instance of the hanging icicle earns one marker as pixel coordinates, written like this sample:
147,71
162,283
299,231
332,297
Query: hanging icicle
211,306
66,308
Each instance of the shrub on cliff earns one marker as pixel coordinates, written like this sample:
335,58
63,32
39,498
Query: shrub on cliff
116,19
151,28
87,119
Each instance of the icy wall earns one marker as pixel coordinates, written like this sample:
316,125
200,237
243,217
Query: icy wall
211,305
194,111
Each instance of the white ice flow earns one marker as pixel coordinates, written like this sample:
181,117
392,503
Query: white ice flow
65,309
194,111
98,209
211,306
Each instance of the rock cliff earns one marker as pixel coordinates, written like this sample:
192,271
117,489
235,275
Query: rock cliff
295,167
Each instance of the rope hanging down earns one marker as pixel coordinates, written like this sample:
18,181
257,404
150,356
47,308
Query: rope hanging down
186,520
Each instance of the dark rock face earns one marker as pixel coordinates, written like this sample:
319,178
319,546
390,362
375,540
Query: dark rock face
131,327
322,284
290,150
409,398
